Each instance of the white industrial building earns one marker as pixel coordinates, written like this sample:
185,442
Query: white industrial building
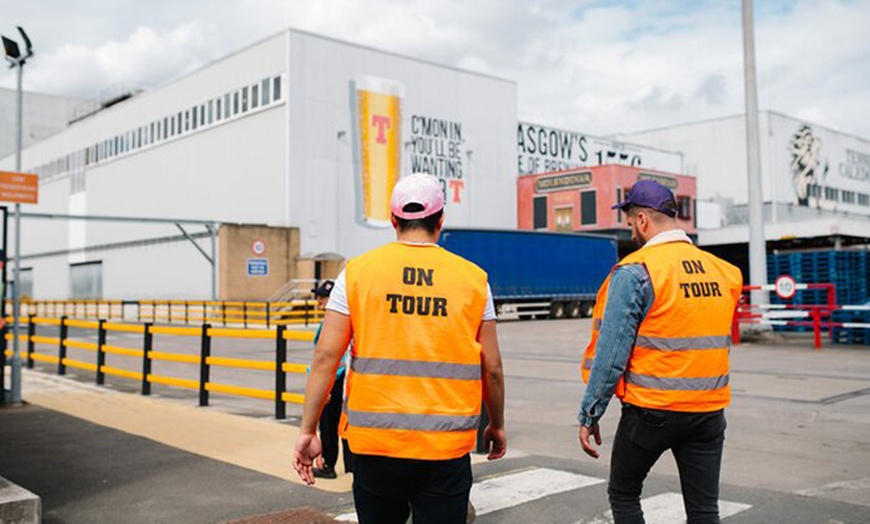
297,131
44,115
816,181
292,131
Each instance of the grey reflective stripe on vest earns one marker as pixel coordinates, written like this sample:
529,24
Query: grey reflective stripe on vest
368,419
414,368
587,363
684,343
596,323
676,383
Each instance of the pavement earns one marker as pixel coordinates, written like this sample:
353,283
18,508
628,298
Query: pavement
797,448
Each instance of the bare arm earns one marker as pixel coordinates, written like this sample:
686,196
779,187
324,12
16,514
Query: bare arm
493,389
334,338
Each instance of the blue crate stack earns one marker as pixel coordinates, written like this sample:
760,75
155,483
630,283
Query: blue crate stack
849,271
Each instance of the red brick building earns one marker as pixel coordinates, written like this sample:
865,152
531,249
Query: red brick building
579,199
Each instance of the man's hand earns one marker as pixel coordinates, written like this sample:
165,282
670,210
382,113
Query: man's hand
307,449
495,441
585,432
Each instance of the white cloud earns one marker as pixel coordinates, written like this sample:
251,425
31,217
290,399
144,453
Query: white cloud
600,67
146,57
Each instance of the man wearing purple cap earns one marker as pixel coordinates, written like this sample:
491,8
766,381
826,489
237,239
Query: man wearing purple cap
660,342
425,355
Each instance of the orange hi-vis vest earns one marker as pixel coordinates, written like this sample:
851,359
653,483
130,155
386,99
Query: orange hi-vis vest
414,387
680,357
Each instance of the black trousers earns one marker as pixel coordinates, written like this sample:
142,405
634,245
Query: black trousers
387,490
695,439
329,419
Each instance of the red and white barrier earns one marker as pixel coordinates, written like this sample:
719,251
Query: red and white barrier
817,316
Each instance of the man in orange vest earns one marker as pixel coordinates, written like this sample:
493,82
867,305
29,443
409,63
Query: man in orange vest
660,342
425,354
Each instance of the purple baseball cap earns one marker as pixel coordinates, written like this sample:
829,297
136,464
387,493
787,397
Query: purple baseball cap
650,194
418,188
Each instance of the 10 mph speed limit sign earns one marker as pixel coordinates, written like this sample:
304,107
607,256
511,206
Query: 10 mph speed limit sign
785,287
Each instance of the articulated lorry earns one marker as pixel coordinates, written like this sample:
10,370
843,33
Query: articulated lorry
537,274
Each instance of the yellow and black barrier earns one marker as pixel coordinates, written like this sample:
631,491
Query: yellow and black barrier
205,360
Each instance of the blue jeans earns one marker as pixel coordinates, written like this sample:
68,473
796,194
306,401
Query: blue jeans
642,436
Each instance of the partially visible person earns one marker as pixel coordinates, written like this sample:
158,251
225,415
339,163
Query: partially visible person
660,340
332,410
425,354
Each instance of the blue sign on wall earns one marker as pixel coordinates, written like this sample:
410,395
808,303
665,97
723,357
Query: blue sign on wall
258,267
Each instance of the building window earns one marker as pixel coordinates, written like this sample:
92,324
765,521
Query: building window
848,197
255,96
178,125
539,212
86,280
217,109
210,111
245,99
587,208
265,91
276,89
863,199
77,182
832,194
194,117
202,114
684,207
226,105
235,103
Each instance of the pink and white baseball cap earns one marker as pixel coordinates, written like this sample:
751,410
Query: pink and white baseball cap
418,188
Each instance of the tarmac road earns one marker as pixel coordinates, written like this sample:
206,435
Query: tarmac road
797,448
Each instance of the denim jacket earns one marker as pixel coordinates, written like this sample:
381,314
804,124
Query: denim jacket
629,299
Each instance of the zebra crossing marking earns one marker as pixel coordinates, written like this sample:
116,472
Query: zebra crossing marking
506,491
667,508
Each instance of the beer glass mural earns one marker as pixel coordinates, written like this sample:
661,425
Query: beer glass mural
377,105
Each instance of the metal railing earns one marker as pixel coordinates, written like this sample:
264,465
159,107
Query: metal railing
224,313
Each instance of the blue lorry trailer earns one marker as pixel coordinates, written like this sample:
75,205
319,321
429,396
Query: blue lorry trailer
535,273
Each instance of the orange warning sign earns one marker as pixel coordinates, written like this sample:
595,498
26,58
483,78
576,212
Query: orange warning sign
22,188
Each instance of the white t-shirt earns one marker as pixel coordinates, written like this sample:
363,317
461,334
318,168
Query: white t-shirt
338,299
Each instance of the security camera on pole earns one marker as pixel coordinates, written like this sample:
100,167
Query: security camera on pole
16,60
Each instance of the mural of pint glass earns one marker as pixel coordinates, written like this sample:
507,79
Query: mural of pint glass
378,130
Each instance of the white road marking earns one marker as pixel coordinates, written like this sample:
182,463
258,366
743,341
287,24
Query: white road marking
667,508
833,487
511,490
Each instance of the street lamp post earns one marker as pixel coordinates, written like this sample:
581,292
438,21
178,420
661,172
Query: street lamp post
757,251
16,60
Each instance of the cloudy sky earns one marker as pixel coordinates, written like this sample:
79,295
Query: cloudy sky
595,66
